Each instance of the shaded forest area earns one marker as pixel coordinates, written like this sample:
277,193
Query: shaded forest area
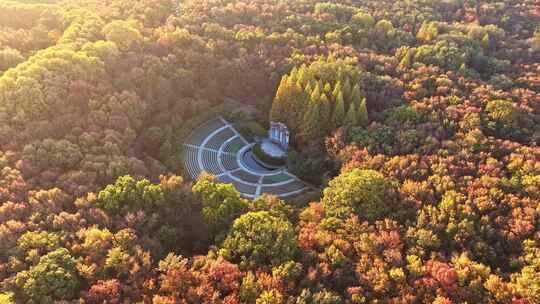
418,119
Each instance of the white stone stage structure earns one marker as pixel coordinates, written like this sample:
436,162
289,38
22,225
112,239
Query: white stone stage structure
279,134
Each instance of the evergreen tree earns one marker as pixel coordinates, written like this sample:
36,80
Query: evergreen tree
279,106
302,76
340,76
362,115
428,31
486,42
296,107
311,122
406,61
350,118
326,114
338,118
356,94
308,89
320,83
337,90
293,76
347,89
327,88
316,94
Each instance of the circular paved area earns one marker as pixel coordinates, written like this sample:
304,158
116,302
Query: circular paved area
217,148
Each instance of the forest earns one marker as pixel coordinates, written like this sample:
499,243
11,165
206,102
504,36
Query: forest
417,123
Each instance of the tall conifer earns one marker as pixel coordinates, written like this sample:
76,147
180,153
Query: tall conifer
351,117
338,118
347,90
326,114
311,122
356,94
362,115
279,111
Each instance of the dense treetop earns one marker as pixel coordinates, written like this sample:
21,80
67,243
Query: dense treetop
416,121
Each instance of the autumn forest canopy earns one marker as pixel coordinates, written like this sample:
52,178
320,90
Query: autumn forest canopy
416,124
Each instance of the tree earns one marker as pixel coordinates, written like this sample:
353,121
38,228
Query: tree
365,20
279,105
130,195
362,115
356,94
123,34
502,111
384,26
270,297
527,282
406,61
486,42
338,118
7,298
258,238
53,278
326,114
363,192
351,119
311,122
9,58
428,32
107,291
38,242
503,119
221,203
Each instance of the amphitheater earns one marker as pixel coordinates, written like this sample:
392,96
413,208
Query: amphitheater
217,148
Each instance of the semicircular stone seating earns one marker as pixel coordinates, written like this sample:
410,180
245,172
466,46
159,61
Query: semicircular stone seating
213,147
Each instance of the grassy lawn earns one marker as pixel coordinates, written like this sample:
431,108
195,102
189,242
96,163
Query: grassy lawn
276,178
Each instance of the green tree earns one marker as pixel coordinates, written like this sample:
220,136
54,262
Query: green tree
258,238
364,192
311,122
37,243
356,94
347,89
316,94
362,115
298,107
338,118
351,118
326,114
428,32
270,297
123,34
503,112
486,42
327,88
365,20
527,282
221,203
53,278
407,60
130,195
384,26
9,58
279,105
7,298
118,260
